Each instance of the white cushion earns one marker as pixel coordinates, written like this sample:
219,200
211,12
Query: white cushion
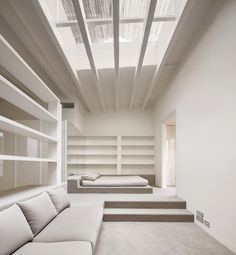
39,211
14,230
59,198
90,176
60,248
117,181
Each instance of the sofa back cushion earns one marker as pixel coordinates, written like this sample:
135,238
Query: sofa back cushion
59,198
39,211
14,230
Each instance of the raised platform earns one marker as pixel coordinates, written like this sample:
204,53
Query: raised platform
74,188
112,190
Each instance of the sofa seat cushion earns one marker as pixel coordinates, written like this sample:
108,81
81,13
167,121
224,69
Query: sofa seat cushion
80,223
61,248
14,230
38,211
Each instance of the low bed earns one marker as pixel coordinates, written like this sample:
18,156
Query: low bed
109,184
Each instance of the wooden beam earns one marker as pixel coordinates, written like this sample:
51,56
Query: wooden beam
71,23
116,36
147,29
80,15
176,28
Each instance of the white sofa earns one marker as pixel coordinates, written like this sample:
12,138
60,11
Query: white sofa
47,225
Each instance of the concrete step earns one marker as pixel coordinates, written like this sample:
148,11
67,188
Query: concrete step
146,204
147,215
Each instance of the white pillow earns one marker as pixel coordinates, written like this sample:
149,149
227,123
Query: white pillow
38,211
90,176
14,230
59,198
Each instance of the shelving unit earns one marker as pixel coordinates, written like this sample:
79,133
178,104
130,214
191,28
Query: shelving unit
92,153
120,154
137,154
45,133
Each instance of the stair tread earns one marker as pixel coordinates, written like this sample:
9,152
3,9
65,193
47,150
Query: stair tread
146,199
131,211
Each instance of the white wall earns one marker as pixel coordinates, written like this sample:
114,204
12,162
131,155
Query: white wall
74,115
122,122
203,93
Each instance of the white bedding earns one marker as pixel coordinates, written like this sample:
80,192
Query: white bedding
116,181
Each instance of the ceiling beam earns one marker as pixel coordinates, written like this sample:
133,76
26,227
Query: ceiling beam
80,15
116,23
71,23
147,29
184,11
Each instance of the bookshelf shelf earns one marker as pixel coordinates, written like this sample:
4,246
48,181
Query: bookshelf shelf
10,93
16,65
28,159
19,129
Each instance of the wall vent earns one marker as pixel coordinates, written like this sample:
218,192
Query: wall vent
68,105
200,219
200,214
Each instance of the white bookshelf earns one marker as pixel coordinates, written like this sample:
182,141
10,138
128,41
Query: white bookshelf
120,154
46,133
137,154
92,153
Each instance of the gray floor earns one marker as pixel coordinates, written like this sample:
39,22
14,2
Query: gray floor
150,238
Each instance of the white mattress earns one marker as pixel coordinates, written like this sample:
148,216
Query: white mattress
116,181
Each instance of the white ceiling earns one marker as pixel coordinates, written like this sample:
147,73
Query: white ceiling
23,24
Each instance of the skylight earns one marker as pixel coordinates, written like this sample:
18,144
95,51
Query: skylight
98,14
114,37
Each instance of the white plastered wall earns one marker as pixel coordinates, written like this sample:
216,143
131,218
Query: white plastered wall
122,122
203,94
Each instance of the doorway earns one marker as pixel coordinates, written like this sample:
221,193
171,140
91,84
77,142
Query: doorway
169,151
